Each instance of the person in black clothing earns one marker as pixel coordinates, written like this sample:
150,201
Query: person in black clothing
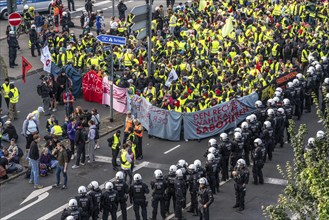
95,193
122,8
85,203
192,183
109,201
180,189
205,199
13,46
241,177
80,142
289,111
34,41
10,130
137,196
170,191
226,149
159,187
73,210
211,169
122,188
63,83
267,135
45,94
258,155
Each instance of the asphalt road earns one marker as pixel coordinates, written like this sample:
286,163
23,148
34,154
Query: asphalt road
158,154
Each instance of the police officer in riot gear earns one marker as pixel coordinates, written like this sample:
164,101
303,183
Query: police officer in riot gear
85,203
109,202
325,65
281,122
309,87
137,193
180,192
205,199
73,210
299,97
302,83
13,46
246,135
260,111
217,161
192,184
121,187
241,177
159,187
239,150
258,155
211,170
325,92
200,171
95,193
254,126
268,137
182,165
272,118
290,93
289,111
226,149
170,191
212,143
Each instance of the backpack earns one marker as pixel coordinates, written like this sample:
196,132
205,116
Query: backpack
39,90
20,152
96,133
84,134
69,155
43,169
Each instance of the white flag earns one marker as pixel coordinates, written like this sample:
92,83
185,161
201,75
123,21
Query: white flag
46,59
171,77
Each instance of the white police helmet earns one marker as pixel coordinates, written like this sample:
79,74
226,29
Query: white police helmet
241,162
73,203
276,99
26,7
290,85
181,163
223,136
238,130
109,186
158,174
93,185
172,168
237,136
281,110
212,150
179,173
244,125
210,157
212,141
320,134
202,181
70,217
311,140
137,177
82,190
267,124
286,102
295,82
258,142
279,89
270,102
192,167
270,112
197,163
258,103
119,175
326,81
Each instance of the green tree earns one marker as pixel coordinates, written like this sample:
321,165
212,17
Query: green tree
306,195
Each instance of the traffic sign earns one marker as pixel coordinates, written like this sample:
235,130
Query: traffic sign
14,19
110,39
139,25
139,10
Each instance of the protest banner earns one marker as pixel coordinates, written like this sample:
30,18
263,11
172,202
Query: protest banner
284,79
119,96
158,122
212,121
92,87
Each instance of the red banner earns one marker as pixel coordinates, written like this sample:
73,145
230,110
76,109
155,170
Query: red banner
92,87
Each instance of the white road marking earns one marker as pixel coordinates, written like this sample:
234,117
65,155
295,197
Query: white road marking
36,193
104,9
189,204
96,4
40,198
60,209
276,181
171,149
5,116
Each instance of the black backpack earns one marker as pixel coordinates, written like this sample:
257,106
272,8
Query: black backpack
96,133
39,90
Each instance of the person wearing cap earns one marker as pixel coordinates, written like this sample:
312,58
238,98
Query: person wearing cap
138,131
9,132
34,41
14,98
36,114
13,46
5,91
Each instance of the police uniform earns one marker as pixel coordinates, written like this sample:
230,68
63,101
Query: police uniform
309,87
170,191
211,170
299,96
138,199
72,211
238,151
13,46
258,158
122,189
226,148
86,204
241,180
108,204
95,196
159,187
267,135
205,198
246,135
192,183
180,191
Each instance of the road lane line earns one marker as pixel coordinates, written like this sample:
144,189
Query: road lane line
171,149
60,209
189,204
276,181
40,198
94,5
36,193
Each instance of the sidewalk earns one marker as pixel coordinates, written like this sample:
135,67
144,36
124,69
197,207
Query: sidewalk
16,73
106,127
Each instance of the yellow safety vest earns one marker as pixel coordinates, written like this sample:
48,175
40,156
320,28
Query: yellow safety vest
6,89
133,145
304,56
127,59
277,10
69,56
173,20
214,47
58,130
115,142
126,165
15,97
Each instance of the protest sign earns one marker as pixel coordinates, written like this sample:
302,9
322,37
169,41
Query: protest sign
119,96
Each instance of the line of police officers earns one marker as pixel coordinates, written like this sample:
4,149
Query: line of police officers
254,140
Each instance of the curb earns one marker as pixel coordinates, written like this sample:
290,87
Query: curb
28,74
100,135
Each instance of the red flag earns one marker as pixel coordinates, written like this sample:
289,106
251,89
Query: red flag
26,66
140,60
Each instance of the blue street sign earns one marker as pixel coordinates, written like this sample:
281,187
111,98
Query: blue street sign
110,39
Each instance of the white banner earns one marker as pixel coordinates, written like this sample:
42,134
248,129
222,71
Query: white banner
171,77
46,59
